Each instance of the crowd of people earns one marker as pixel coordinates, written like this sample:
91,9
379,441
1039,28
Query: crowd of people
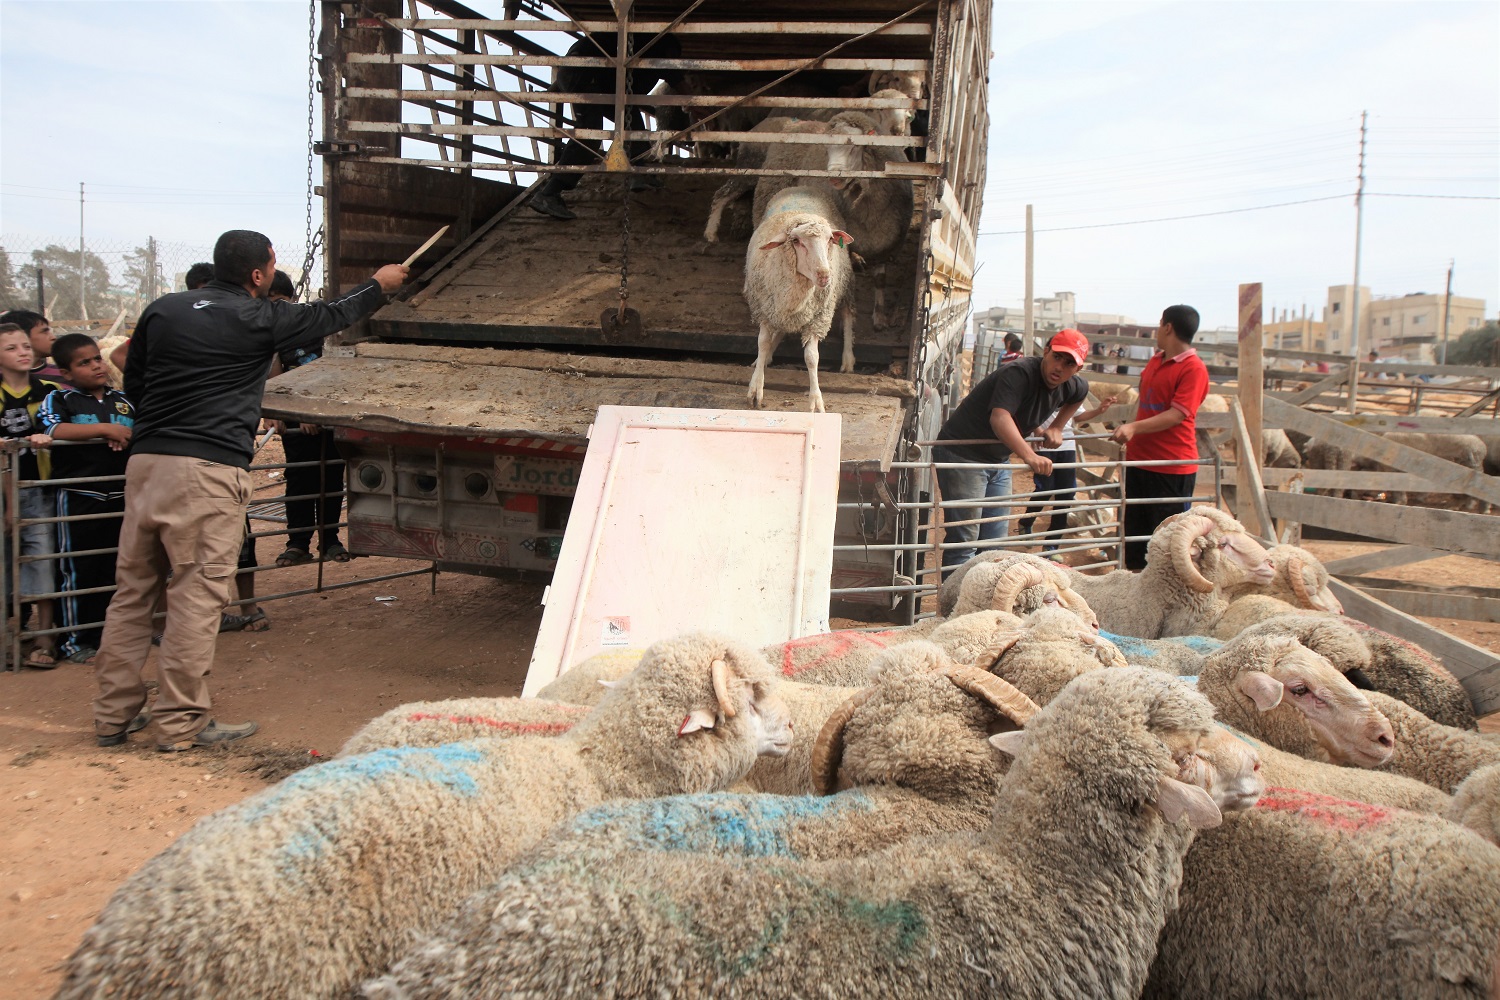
1026,396
145,488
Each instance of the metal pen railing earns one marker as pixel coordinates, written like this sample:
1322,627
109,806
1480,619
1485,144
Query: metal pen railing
12,631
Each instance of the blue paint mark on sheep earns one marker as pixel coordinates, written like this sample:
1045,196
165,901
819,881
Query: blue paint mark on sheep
1200,643
1129,646
754,826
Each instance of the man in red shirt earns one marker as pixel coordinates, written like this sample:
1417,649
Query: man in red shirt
1172,388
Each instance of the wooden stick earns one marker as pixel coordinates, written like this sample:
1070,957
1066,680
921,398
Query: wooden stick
408,262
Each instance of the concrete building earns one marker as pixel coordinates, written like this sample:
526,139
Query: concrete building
1409,327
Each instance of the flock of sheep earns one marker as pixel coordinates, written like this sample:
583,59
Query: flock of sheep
1196,781
798,268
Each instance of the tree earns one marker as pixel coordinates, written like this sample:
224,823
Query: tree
1477,347
140,272
10,294
61,266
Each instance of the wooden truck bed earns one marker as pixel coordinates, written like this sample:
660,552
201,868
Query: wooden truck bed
533,279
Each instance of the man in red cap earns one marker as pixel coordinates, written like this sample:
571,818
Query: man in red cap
1006,407
1165,428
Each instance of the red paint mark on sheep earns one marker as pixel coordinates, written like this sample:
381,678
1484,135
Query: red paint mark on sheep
517,728
832,646
1341,814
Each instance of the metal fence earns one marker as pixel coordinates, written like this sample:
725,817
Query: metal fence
267,510
1100,494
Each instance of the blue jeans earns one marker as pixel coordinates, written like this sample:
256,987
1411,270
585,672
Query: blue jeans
967,484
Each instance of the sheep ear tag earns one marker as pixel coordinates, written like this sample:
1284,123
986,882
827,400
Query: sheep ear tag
842,239
698,718
1178,800
1261,688
1009,743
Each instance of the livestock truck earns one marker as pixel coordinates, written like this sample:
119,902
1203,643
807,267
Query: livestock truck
462,407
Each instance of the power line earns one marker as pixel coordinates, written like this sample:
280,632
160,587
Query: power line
1171,218
1456,197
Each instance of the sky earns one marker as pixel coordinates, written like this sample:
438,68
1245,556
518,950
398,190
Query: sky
188,118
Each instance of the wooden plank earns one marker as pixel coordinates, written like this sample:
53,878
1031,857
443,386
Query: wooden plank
1373,422
1386,452
566,364
1475,604
1481,403
1397,555
1254,515
1251,389
1477,668
1314,391
486,401
1332,479
1449,530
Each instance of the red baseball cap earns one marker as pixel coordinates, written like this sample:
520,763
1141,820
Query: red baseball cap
1071,343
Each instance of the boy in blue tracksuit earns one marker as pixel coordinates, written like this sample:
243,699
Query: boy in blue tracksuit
100,419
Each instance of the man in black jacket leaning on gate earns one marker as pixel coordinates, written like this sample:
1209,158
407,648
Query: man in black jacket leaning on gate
196,372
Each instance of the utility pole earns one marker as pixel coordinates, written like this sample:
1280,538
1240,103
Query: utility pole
1447,298
1359,230
1030,317
41,296
151,269
83,308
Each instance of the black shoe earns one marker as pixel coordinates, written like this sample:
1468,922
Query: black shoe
135,725
551,204
211,734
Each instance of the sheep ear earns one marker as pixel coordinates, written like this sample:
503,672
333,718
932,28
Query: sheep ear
1261,688
1178,800
1009,743
841,239
608,684
773,245
698,718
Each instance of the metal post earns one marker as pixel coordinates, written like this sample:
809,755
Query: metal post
12,476
1447,299
1359,229
83,307
1029,326
1120,534
41,291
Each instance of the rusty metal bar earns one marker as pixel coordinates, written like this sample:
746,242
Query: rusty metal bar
648,100
649,169
785,138
657,27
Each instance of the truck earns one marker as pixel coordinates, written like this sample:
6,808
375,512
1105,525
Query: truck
462,407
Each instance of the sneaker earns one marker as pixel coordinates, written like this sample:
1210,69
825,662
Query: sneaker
213,733
551,204
135,725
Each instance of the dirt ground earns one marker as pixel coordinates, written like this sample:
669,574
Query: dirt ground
80,819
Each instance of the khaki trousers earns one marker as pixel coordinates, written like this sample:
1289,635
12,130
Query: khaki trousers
186,516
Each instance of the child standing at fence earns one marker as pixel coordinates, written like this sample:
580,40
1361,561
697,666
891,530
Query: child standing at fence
100,418
21,395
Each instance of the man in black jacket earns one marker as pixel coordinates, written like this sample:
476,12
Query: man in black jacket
196,371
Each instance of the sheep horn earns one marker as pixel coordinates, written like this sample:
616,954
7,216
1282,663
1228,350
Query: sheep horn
828,748
1182,552
997,648
1299,584
1099,649
721,688
1012,581
996,692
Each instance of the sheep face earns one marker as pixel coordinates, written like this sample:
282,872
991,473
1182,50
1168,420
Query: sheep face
812,239
1228,767
897,120
1291,676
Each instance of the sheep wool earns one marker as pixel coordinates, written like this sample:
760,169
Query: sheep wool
1443,756
1476,803
1063,894
1049,649
579,684
1311,896
309,886
433,723
1181,656
1285,770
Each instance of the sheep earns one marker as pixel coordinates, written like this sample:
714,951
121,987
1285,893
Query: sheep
1277,451
1301,580
1276,689
844,657
1443,756
1387,663
1467,450
1287,770
911,753
315,883
795,158
580,684
1028,599
1020,584
433,723
1312,896
1180,655
796,273
1476,803
1049,649
1190,557
107,344
966,637
1062,894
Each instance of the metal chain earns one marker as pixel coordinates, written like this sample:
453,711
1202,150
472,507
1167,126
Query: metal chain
312,84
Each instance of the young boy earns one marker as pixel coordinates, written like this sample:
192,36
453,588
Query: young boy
21,395
101,418
40,332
